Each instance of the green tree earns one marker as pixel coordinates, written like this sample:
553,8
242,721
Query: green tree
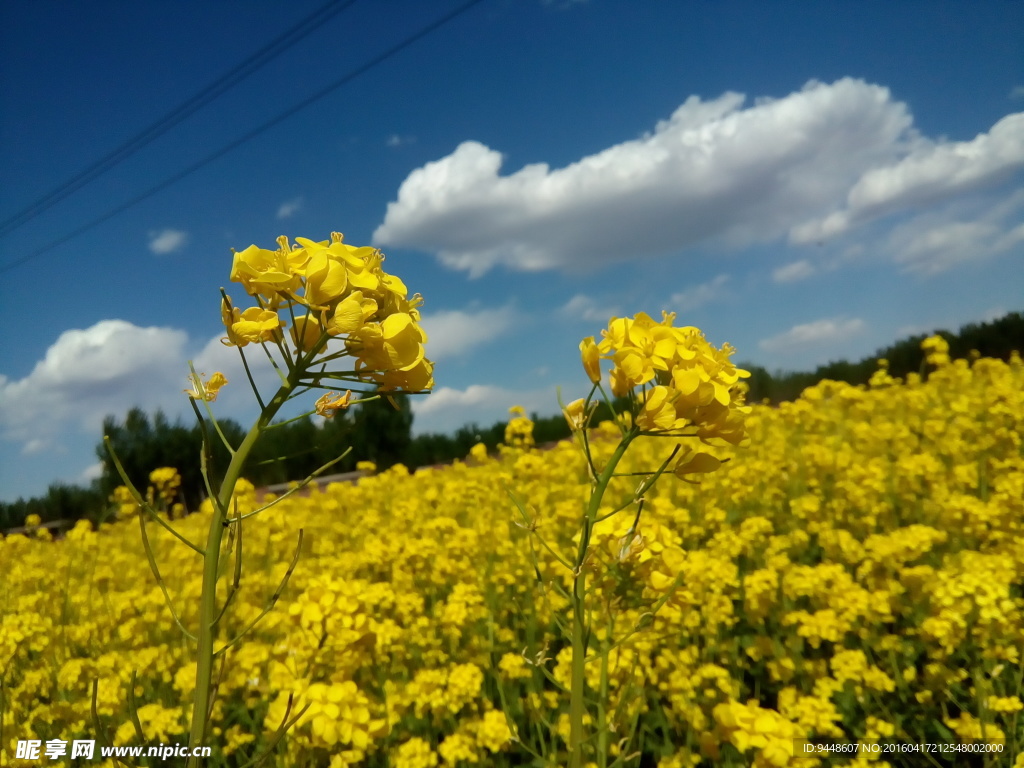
144,446
382,430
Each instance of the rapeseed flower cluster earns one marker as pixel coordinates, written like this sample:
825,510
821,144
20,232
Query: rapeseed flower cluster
679,378
676,385
936,350
855,573
331,290
345,295
519,429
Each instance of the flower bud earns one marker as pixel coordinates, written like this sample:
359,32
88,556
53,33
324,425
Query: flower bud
591,356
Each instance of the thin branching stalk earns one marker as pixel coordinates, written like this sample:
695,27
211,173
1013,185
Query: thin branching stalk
208,614
581,624
156,572
252,382
270,603
142,502
209,413
96,723
302,484
531,526
234,539
133,710
279,734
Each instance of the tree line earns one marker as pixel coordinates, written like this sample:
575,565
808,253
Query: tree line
382,433
996,339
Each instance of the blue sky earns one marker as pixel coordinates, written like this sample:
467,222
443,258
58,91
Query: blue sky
806,181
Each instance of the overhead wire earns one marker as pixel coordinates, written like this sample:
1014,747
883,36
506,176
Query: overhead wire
225,82
280,117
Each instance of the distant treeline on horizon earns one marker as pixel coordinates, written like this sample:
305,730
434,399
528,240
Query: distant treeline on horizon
380,433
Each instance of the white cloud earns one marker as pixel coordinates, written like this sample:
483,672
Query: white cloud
89,373
713,170
791,273
92,472
818,333
33,446
835,223
167,240
237,400
993,313
586,308
939,169
474,395
1017,92
447,409
110,367
945,245
289,208
931,172
394,140
1010,239
699,295
455,332
952,235
57,409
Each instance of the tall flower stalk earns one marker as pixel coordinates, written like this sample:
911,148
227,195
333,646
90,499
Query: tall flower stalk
325,314
675,385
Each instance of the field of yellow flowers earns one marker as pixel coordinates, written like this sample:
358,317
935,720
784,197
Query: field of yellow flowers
856,573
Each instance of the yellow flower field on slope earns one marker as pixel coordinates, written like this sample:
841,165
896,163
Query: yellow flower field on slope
856,573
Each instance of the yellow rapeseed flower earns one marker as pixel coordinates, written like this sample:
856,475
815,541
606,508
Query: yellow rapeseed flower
331,402
206,390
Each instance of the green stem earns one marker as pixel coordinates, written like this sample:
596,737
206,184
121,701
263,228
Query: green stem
207,629
579,594
252,382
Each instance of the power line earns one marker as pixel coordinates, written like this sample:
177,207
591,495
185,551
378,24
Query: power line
280,117
237,74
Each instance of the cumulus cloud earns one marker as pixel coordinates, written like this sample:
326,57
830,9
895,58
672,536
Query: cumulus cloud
57,409
586,308
92,472
714,170
791,273
167,240
88,373
931,172
699,295
289,208
819,333
454,332
447,398
447,409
